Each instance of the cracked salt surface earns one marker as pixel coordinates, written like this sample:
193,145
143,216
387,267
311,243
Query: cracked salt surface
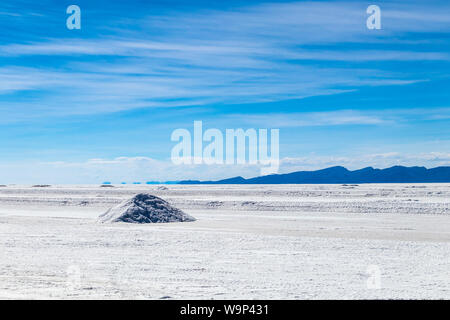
279,244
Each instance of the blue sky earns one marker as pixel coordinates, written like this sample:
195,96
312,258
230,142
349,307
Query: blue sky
100,103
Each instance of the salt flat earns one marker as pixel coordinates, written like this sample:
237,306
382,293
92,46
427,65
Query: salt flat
250,242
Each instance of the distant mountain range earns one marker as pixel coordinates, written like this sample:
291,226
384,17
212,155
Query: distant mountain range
396,174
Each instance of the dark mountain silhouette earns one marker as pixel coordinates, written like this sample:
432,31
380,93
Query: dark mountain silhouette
396,174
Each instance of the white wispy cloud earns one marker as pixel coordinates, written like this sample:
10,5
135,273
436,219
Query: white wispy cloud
90,90
338,117
241,55
306,119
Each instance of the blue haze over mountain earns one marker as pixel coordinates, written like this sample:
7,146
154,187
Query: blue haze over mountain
396,174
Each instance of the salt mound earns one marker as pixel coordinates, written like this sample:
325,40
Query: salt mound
144,208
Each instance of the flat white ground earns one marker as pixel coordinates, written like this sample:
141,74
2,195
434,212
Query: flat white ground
250,242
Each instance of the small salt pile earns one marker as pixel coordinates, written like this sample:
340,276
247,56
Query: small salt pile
144,208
